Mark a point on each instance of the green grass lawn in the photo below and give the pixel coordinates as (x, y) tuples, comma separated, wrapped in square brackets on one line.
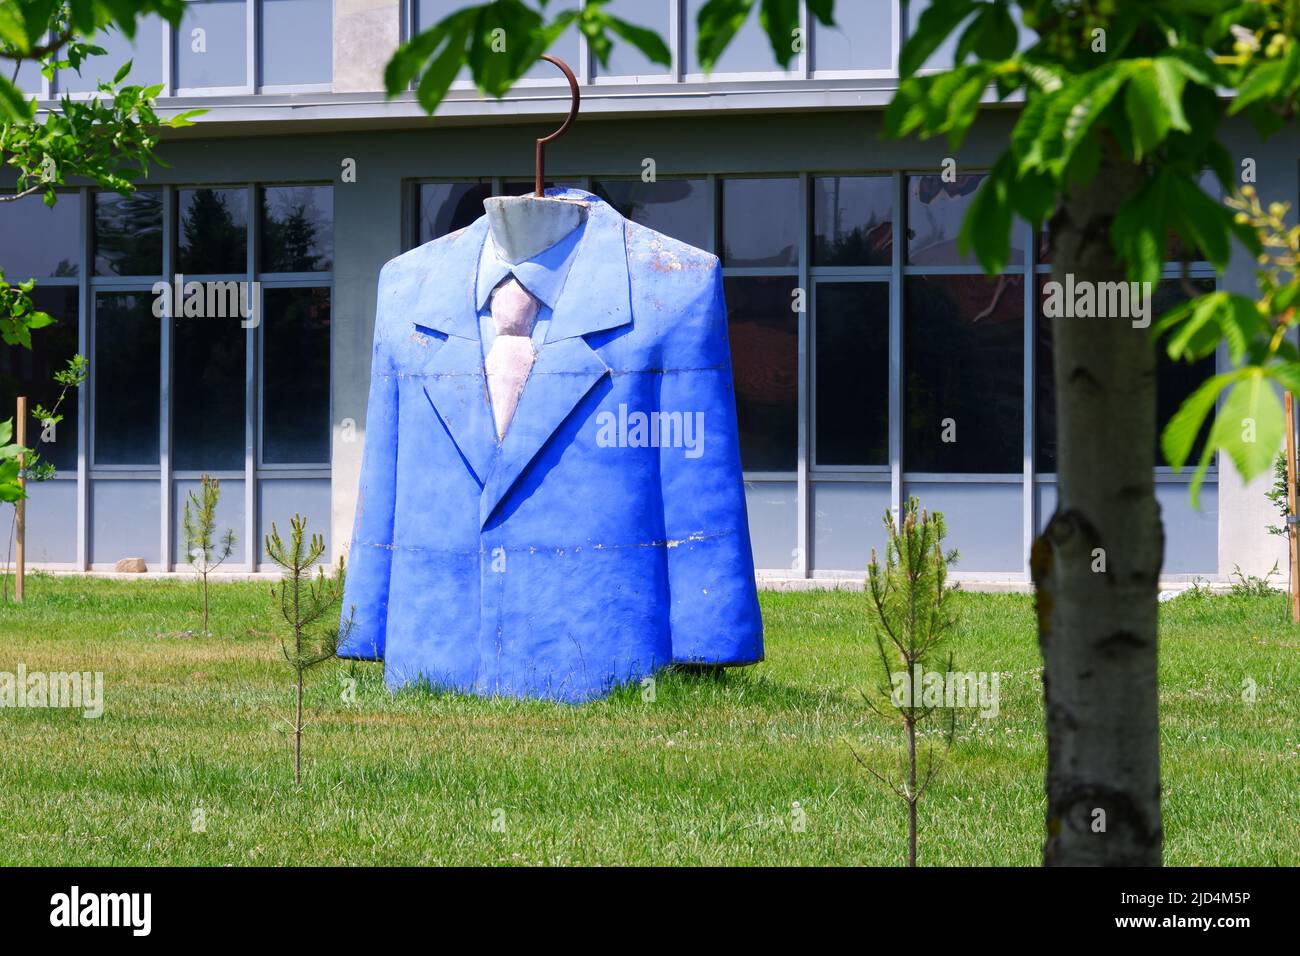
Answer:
[(705, 774)]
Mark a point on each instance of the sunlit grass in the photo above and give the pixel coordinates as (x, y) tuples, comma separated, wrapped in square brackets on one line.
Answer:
[(706, 773)]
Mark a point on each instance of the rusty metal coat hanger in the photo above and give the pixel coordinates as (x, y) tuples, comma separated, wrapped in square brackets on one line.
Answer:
[(539, 184)]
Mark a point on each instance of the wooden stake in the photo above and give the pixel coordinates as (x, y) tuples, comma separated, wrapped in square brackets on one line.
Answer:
[(20, 506), (1291, 529)]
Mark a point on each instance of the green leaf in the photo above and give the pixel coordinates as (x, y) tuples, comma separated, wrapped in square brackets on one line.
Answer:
[(1180, 434), (122, 72), (1250, 423), (935, 24), (1139, 231), (647, 41), (780, 19), (1202, 222), (1153, 102), (987, 226), (15, 107), (716, 24)]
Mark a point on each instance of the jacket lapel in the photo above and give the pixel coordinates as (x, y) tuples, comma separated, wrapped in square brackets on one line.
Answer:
[(595, 298), (453, 376)]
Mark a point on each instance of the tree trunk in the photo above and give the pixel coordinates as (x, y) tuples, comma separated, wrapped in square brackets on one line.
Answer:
[(297, 734), (1096, 566), (912, 795)]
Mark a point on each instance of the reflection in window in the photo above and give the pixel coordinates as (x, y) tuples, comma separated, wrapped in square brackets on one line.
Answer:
[(56, 231), (128, 233), (764, 333), (853, 220), (446, 207), (852, 364), (145, 53), (297, 46), (676, 207), (862, 38), (1175, 381), (936, 209), (624, 58), (213, 237), (31, 372), (296, 376), (297, 229), (208, 394), (750, 51), (218, 55), (126, 370), (524, 187), (760, 222), (963, 360)]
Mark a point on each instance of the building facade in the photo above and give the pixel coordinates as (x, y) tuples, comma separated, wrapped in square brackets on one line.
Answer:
[(872, 361)]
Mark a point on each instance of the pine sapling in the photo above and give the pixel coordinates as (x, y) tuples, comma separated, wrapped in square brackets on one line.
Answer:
[(909, 600), (304, 601), (199, 526)]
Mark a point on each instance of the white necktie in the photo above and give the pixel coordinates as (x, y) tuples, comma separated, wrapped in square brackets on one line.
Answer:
[(511, 356)]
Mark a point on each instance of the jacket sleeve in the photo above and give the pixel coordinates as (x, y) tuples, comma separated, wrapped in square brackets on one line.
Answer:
[(365, 596), (715, 616)]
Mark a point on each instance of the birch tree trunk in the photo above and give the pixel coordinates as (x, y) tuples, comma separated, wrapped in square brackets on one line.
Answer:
[(1096, 566)]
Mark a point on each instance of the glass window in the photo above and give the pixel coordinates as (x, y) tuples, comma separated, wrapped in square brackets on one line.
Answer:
[(963, 361), (853, 220), (524, 187), (750, 51), (39, 240), (212, 45), (942, 58), (212, 231), (760, 222), (676, 207), (31, 371), (764, 333), (128, 233), (936, 209), (297, 229), (145, 53), (428, 13), (126, 370), (566, 48), (852, 369), (296, 376), (624, 58), (862, 38), (1175, 381), (446, 207), (29, 78), (297, 45), (208, 393)]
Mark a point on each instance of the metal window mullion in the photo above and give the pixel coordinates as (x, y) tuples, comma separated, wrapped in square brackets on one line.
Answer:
[(675, 40), (1030, 503), (251, 537), (713, 189), (802, 496), (805, 60), (896, 31), (252, 29), (85, 315), (165, 391), (585, 68), (896, 348), (169, 35)]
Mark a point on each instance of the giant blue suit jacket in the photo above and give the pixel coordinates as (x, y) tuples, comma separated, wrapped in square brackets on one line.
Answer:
[(552, 564)]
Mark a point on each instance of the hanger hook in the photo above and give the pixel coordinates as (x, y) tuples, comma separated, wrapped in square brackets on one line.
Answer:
[(540, 177)]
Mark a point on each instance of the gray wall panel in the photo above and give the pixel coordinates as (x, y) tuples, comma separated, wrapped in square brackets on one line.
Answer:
[(280, 499), (230, 514), (984, 521), (773, 523), (847, 523), (51, 522), (125, 516)]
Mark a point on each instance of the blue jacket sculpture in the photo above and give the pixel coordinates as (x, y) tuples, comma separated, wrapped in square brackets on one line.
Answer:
[(604, 536)]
